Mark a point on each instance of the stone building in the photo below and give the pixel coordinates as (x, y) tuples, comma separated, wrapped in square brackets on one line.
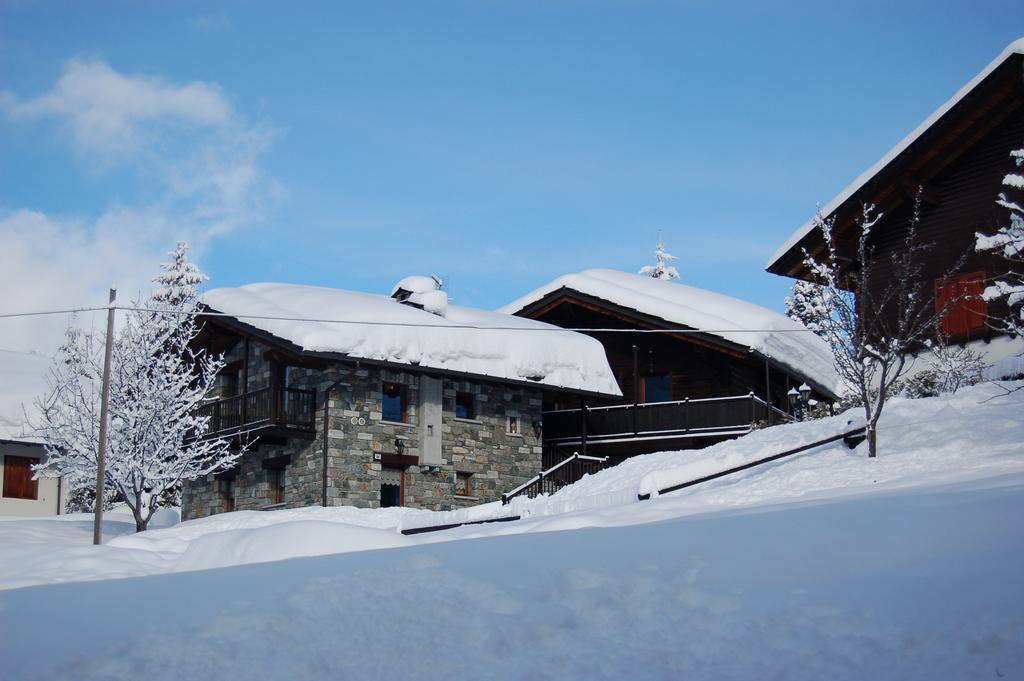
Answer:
[(347, 398)]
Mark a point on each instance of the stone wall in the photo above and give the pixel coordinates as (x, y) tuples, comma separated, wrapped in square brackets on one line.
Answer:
[(482, 448)]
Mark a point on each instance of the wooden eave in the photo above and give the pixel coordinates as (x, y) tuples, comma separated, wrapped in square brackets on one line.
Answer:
[(993, 101), (633, 318), (640, 320)]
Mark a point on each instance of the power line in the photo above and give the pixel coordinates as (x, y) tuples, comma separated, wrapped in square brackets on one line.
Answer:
[(367, 322), (40, 313)]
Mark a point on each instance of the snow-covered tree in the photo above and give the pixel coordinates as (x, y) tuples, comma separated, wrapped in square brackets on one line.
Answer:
[(1008, 241), (803, 306), (873, 326), (661, 269), (178, 284), (948, 368), (157, 382)]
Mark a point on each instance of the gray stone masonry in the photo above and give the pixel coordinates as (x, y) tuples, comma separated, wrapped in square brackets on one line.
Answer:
[(495, 459)]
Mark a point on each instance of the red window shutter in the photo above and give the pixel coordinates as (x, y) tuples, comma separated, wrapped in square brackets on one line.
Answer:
[(968, 312), (18, 482), (973, 304)]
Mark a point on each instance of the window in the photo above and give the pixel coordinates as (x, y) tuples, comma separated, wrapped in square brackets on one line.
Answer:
[(286, 382), (513, 425), (463, 484), (465, 406), (18, 482), (394, 403), (967, 312), (656, 388), (392, 486)]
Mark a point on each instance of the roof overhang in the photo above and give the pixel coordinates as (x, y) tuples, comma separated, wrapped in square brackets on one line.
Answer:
[(646, 322), (640, 320), (302, 356), (996, 94)]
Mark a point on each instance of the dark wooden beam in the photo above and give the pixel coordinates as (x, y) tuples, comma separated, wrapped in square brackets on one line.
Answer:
[(632, 319), (992, 102)]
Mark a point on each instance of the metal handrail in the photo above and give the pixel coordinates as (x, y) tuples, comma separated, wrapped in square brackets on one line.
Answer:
[(851, 437), (540, 477)]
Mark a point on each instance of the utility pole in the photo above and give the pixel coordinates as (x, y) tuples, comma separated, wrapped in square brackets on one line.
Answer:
[(101, 451)]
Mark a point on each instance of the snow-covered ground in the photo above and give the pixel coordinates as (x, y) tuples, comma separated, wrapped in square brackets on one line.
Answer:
[(827, 565)]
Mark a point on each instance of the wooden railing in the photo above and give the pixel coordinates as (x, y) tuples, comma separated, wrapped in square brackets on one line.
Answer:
[(659, 420), (550, 481), (285, 407)]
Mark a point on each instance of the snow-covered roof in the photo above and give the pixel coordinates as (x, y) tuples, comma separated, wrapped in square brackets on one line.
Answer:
[(1016, 47), (22, 379), (377, 327), (737, 321)]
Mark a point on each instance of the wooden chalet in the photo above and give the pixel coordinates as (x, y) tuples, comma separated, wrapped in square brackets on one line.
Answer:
[(690, 371), (956, 159)]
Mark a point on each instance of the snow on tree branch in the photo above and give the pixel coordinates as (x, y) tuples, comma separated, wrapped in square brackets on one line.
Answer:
[(157, 382), (661, 269), (872, 321), (1008, 241)]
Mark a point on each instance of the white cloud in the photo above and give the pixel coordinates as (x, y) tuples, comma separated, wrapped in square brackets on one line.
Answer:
[(223, 182), (207, 181), (49, 264), (108, 110)]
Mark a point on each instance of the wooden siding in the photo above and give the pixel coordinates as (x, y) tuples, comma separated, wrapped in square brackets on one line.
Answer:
[(696, 368), (968, 191), (996, 104)]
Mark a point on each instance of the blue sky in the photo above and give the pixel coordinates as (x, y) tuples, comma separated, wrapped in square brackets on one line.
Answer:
[(497, 144)]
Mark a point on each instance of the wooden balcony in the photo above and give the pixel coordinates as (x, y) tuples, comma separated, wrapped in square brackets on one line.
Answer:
[(284, 412), (711, 418)]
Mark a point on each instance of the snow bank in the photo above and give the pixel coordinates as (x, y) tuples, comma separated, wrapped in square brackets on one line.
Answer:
[(59, 549), (284, 540), (734, 320), (464, 339), (918, 585), (972, 436), (22, 379), (906, 566)]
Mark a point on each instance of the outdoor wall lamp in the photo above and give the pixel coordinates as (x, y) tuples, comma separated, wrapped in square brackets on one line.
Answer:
[(538, 428), (799, 400)]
